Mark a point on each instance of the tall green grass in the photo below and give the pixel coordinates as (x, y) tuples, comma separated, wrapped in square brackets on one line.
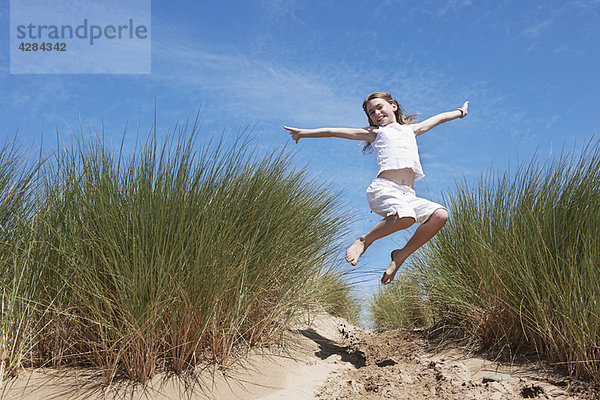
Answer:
[(337, 295), (175, 254), (518, 263), (400, 306), (17, 280)]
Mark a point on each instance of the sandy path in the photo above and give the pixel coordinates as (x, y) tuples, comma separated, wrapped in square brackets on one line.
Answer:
[(327, 359), (402, 365), (291, 372)]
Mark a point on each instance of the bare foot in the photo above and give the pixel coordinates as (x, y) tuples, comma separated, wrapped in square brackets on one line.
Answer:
[(390, 272), (355, 251)]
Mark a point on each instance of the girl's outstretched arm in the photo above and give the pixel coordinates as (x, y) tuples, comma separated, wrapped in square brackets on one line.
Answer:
[(434, 121), (369, 133)]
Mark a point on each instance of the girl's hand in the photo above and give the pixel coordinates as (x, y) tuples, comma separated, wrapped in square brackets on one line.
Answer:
[(464, 109), (295, 132)]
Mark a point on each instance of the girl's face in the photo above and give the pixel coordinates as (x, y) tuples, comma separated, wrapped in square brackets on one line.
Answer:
[(381, 112)]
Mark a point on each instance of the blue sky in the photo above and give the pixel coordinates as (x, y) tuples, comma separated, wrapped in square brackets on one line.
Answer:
[(529, 69)]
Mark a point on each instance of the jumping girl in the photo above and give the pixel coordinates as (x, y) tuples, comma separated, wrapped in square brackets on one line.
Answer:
[(392, 135)]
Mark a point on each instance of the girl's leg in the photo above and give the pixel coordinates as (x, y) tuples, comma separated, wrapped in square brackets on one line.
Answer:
[(421, 236), (385, 227)]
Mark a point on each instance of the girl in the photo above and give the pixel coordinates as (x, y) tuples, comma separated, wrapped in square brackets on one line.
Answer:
[(392, 134)]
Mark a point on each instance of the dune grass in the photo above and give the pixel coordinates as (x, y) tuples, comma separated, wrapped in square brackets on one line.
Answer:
[(518, 262), (174, 255), (337, 295), (400, 306), (17, 280)]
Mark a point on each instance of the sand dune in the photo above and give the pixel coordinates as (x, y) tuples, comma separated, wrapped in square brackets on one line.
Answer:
[(326, 358)]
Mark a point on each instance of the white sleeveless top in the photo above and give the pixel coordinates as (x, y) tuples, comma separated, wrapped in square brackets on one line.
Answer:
[(396, 147)]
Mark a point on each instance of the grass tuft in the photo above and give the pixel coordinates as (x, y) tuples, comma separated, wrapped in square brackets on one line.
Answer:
[(18, 282), (400, 305), (517, 263), (169, 256)]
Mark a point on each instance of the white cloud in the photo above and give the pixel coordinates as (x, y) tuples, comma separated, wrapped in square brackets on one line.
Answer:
[(532, 46), (563, 47), (277, 9), (451, 4), (551, 121), (255, 86), (538, 28)]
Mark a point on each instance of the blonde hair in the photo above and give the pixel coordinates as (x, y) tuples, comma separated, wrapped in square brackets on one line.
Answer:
[(401, 117)]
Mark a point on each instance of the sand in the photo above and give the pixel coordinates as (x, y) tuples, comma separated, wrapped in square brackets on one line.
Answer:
[(326, 358)]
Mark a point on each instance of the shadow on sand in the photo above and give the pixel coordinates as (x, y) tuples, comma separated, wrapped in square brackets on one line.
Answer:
[(328, 347)]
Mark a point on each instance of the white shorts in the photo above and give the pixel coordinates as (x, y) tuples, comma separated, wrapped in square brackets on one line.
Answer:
[(388, 198)]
